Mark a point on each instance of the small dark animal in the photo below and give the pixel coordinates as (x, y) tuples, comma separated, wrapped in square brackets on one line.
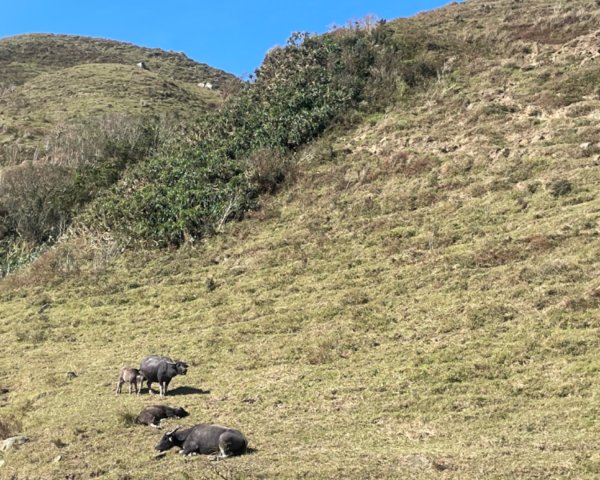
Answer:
[(153, 414), (159, 369), (205, 439), (132, 376)]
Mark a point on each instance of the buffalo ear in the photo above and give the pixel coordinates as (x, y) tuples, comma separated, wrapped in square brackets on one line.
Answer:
[(169, 434)]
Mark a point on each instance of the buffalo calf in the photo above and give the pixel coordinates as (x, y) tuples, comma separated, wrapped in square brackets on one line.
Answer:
[(153, 414), (131, 376)]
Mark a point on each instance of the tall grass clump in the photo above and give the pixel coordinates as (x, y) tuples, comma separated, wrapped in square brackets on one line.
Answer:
[(39, 199)]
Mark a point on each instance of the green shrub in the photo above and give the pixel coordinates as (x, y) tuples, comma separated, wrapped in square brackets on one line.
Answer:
[(246, 147)]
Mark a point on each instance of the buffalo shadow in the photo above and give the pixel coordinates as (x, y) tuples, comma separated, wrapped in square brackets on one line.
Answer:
[(187, 391)]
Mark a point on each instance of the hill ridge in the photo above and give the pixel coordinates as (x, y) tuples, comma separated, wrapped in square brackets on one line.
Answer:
[(58, 51)]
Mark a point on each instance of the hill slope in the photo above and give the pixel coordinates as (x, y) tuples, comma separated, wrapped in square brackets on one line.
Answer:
[(420, 301), (95, 89), (23, 57), (74, 112), (47, 81)]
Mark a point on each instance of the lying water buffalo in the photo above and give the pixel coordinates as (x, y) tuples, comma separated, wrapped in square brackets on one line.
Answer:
[(159, 369), (153, 414), (205, 439), (131, 376)]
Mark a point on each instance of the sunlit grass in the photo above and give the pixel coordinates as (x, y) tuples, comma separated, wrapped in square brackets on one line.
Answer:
[(439, 321)]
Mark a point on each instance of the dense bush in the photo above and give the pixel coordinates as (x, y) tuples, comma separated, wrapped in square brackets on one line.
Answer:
[(39, 199), (298, 92), (34, 202)]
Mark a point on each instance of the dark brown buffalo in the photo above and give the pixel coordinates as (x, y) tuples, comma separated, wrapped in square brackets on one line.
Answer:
[(153, 414)]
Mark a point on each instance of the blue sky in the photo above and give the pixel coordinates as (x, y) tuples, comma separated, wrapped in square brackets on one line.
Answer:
[(229, 34)]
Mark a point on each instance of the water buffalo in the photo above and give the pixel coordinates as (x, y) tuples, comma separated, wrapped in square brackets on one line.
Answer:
[(131, 376), (205, 439), (153, 414), (159, 369)]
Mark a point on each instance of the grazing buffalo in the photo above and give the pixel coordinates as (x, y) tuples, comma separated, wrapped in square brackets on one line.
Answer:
[(161, 369), (153, 414), (131, 376), (205, 439)]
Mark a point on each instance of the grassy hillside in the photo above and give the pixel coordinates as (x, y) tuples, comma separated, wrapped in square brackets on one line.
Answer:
[(74, 112), (23, 57), (419, 300), (47, 81), (53, 99)]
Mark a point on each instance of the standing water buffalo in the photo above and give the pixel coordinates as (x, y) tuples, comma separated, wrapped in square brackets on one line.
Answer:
[(161, 369), (153, 414), (131, 376), (205, 439)]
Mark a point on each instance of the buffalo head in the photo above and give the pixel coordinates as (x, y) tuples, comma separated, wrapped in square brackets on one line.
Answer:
[(180, 412), (167, 441), (181, 368)]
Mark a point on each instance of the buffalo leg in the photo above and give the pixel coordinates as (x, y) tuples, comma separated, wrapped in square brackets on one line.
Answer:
[(185, 452), (163, 387), (223, 453), (155, 424)]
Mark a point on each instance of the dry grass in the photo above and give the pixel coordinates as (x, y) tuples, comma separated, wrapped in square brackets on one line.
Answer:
[(33, 114), (47, 81), (27, 56)]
